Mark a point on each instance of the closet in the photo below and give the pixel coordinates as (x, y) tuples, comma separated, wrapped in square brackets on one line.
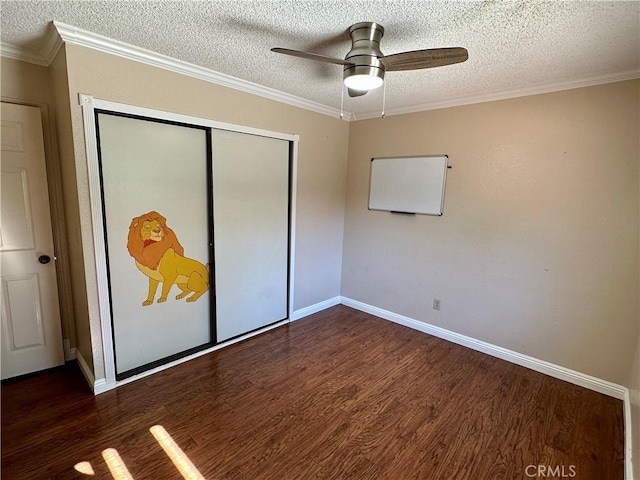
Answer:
[(195, 225)]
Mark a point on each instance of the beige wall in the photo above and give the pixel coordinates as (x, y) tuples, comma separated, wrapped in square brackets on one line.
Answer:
[(537, 250), (321, 162), (60, 88), (30, 84), (634, 396), (25, 82)]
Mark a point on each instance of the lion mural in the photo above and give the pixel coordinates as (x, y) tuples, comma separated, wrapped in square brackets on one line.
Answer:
[(159, 255)]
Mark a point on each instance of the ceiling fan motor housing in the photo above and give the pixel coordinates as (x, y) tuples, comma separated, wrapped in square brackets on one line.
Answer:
[(365, 51)]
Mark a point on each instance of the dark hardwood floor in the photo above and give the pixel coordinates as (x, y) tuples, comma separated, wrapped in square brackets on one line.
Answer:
[(340, 394)]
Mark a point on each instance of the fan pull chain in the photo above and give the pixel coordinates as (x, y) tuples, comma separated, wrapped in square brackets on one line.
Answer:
[(342, 101), (384, 97)]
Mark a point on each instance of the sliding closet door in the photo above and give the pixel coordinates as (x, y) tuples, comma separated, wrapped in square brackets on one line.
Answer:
[(157, 233), (251, 231)]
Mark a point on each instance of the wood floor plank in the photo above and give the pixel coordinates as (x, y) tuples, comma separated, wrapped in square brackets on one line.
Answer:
[(340, 394)]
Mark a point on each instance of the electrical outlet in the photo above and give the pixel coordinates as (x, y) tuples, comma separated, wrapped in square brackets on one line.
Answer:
[(436, 304)]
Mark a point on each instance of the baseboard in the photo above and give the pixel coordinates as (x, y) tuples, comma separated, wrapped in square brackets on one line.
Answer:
[(69, 353), (628, 438), (84, 367), (566, 374), (315, 308), (553, 370), (100, 386)]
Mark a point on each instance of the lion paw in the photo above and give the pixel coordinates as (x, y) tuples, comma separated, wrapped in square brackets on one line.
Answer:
[(146, 303), (182, 295), (162, 299)]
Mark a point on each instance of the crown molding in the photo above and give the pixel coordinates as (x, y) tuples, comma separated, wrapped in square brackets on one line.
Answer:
[(24, 55), (44, 56), (84, 38), (506, 94), (60, 33), (52, 44)]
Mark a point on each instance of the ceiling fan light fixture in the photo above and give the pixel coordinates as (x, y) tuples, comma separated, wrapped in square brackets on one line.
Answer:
[(363, 78), (363, 83), (365, 64)]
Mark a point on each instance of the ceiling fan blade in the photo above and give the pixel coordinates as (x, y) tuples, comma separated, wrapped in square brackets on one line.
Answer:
[(311, 56), (429, 58), (356, 93)]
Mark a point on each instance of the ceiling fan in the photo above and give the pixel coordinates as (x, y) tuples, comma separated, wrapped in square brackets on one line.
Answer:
[(365, 64)]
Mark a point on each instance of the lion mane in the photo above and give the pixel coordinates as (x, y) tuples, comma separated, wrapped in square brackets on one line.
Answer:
[(151, 255)]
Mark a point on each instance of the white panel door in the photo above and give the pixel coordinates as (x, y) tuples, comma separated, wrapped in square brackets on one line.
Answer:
[(31, 328), (251, 231)]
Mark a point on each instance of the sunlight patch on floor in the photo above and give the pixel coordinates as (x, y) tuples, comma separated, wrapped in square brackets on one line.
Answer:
[(84, 467), (115, 464), (119, 470), (175, 453)]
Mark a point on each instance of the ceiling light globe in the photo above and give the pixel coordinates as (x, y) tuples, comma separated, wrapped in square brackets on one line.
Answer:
[(363, 82), (363, 78)]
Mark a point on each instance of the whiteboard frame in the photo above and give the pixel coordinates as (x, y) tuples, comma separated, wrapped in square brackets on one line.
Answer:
[(416, 210)]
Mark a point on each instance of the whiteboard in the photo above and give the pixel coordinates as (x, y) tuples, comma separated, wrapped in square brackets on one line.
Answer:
[(408, 184)]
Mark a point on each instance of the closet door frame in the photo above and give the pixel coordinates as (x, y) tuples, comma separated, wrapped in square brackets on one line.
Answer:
[(89, 106), (207, 167)]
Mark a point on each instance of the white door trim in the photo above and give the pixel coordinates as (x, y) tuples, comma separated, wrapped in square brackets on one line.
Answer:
[(95, 195), (89, 104), (94, 103)]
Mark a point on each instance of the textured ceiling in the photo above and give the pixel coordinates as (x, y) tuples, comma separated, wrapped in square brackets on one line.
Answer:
[(513, 46)]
